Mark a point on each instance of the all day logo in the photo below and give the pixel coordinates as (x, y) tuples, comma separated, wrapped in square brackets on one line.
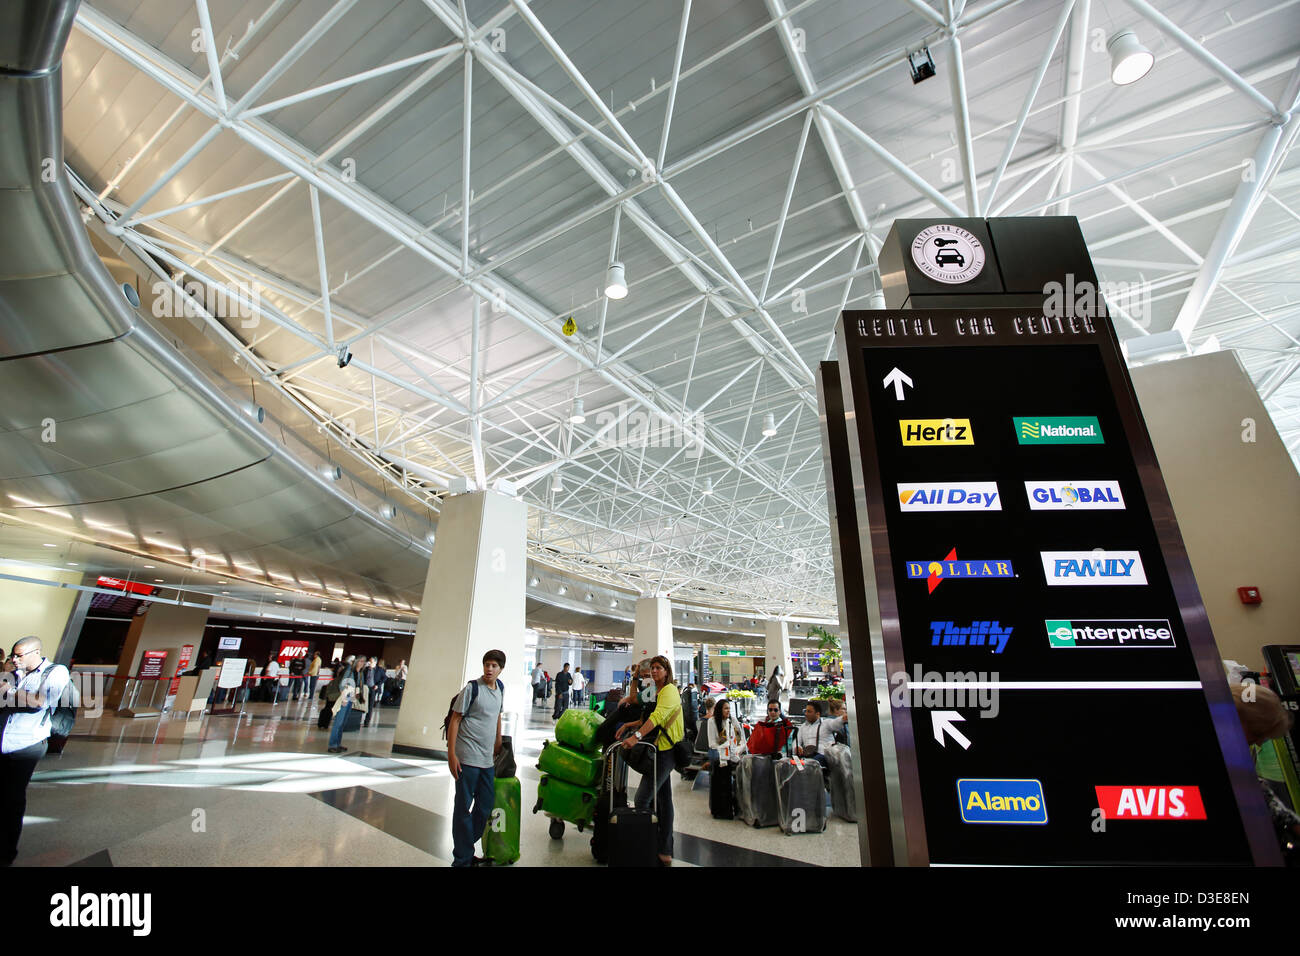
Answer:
[(949, 496), (1002, 801), (1059, 430), (936, 431), (1151, 803), (1093, 567), (1074, 496), (935, 572), (948, 254), (1156, 632)]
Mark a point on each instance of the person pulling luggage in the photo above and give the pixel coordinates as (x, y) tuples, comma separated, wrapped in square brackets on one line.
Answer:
[(656, 782)]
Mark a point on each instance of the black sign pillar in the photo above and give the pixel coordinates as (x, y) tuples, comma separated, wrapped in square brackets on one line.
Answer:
[(1055, 693)]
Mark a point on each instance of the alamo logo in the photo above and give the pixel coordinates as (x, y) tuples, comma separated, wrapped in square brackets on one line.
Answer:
[(76, 909)]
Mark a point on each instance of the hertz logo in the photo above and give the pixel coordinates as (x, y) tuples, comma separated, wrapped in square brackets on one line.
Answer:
[(936, 431)]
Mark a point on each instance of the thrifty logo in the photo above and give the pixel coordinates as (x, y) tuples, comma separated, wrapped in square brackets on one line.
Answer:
[(1150, 633), (1074, 496), (1151, 803), (990, 634), (1002, 801), (950, 496), (936, 431), (936, 571), (1093, 567), (1066, 430)]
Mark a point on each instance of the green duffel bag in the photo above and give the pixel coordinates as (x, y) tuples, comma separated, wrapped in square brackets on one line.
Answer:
[(501, 836), (569, 765), (577, 728), (566, 801)]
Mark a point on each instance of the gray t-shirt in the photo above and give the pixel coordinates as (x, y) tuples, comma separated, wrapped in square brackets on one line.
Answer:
[(478, 725)]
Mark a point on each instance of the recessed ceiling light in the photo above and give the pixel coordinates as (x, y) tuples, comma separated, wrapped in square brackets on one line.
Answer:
[(73, 564), (49, 545), (157, 580), (149, 567), (225, 592)]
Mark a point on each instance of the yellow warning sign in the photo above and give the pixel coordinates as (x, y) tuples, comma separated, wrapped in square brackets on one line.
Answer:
[(569, 326)]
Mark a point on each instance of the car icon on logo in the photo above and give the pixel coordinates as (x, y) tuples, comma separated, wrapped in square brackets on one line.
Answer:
[(946, 257)]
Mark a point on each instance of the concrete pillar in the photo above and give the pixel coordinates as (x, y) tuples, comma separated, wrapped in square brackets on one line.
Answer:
[(37, 609), (776, 650), (652, 634), (165, 627), (473, 602)]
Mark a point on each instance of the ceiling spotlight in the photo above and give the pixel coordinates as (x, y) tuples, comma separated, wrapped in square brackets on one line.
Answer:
[(255, 412), (921, 63), (590, 596), (534, 581), (131, 295), (615, 281), (780, 522), (613, 603), (331, 472), (1129, 59), (708, 486), (429, 537), (561, 590), (388, 511), (769, 425), (344, 356), (557, 484), (577, 416)]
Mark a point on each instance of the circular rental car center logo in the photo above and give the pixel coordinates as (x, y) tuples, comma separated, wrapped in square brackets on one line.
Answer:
[(948, 254)]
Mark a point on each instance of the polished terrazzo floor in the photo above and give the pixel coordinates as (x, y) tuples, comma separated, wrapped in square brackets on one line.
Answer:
[(259, 790)]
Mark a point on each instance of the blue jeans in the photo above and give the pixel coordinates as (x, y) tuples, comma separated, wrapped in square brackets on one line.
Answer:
[(663, 779), (476, 786), (336, 732)]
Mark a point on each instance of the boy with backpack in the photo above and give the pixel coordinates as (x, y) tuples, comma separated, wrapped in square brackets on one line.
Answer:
[(473, 737)]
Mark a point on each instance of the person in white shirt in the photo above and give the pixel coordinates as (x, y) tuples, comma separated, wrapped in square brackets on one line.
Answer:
[(817, 733), (579, 684), (539, 683), (272, 672), (29, 695), (726, 736)]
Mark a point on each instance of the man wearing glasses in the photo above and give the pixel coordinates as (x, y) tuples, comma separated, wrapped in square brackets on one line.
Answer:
[(28, 696)]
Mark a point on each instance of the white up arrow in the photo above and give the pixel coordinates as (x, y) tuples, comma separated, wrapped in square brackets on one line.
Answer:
[(897, 379), (942, 721)]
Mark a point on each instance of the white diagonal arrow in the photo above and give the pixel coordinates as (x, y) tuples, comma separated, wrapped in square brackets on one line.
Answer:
[(898, 379), (942, 721)]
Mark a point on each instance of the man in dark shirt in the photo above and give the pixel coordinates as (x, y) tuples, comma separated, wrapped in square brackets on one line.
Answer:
[(562, 681)]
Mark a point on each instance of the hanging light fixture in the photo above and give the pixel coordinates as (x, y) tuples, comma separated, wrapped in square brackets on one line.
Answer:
[(557, 484), (708, 486), (769, 425), (577, 416), (615, 281), (1129, 59)]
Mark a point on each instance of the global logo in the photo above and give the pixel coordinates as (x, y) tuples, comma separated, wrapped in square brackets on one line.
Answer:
[(1002, 801), (948, 254), (949, 496), (935, 572), (1093, 567), (1074, 495)]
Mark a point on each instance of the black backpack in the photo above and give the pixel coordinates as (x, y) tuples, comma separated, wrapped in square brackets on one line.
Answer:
[(451, 708)]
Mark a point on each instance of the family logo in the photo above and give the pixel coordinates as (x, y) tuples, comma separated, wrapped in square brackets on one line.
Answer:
[(1093, 567)]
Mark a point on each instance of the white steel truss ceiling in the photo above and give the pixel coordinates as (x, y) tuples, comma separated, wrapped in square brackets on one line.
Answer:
[(435, 188)]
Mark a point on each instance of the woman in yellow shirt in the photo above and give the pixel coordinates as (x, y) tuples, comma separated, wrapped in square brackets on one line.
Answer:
[(667, 716)]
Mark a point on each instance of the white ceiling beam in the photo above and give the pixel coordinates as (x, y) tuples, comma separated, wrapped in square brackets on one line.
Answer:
[(1075, 60)]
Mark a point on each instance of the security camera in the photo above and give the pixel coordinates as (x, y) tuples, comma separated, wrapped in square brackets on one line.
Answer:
[(344, 356)]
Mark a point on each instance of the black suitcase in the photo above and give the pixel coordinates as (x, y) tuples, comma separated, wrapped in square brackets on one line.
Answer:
[(613, 796), (800, 795), (722, 799), (632, 836)]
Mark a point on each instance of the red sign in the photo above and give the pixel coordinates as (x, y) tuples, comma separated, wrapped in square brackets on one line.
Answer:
[(187, 654), (117, 584), (291, 649), (151, 664), (1151, 803)]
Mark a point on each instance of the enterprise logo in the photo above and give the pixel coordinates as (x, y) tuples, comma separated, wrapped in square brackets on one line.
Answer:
[(936, 571), (936, 431), (950, 496), (1093, 567), (1058, 430), (990, 634), (1074, 495), (1002, 801), (1151, 803), (1152, 633)]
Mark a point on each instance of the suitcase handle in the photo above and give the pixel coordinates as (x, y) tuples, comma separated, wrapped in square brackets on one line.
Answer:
[(610, 752)]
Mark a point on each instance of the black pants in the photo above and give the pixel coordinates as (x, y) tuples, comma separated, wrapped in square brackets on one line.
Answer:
[(561, 703), (15, 773), (365, 721)]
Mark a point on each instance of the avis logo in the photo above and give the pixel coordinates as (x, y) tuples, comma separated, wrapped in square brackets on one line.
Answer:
[(1151, 803), (294, 650), (936, 571)]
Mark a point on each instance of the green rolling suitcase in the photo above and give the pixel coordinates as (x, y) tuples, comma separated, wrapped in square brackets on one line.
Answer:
[(565, 801), (501, 836), (577, 728), (570, 765)]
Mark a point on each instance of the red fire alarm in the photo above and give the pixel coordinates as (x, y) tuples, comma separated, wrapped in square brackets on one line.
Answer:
[(1249, 595)]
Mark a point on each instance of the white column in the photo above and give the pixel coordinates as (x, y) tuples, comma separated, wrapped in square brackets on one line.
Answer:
[(652, 635), (473, 602), (777, 649)]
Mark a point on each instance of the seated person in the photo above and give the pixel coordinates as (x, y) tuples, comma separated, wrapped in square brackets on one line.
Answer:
[(817, 733), (769, 735), (838, 709), (726, 736), (706, 718)]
